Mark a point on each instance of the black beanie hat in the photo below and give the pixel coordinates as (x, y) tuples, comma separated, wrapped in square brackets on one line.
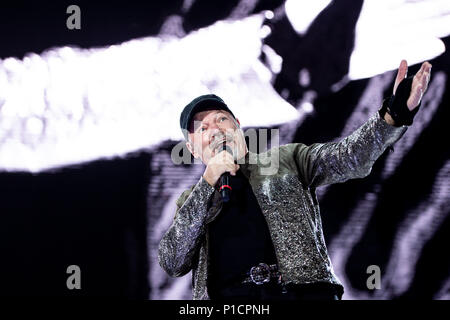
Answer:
[(201, 103)]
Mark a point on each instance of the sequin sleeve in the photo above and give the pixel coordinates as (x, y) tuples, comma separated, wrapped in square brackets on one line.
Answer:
[(352, 157), (180, 243)]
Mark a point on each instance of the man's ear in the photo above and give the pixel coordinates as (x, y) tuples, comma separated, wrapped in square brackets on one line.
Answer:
[(191, 149), (237, 120)]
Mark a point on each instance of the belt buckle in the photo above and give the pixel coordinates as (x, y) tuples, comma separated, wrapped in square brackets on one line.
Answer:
[(260, 274)]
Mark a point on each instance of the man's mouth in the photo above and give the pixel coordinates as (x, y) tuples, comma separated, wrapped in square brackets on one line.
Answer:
[(220, 143)]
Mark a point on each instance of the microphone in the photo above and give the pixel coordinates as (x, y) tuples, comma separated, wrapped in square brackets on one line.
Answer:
[(224, 185)]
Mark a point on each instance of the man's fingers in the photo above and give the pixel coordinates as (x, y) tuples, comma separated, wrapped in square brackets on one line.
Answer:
[(416, 91), (228, 160), (419, 85), (225, 156), (426, 76), (423, 74), (425, 79), (401, 74), (415, 97), (233, 169), (402, 70), (424, 68)]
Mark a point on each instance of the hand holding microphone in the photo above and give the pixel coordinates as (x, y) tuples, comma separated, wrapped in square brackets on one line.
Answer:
[(220, 166), (224, 184)]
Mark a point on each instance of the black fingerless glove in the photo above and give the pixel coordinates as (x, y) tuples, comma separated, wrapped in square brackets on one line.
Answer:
[(396, 106)]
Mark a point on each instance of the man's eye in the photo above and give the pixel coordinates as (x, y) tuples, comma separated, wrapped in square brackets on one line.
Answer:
[(202, 129), (223, 118)]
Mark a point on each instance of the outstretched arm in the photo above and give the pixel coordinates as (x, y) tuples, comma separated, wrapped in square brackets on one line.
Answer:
[(354, 156)]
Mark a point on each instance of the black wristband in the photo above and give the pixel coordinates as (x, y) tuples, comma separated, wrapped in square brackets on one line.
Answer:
[(386, 102), (396, 105)]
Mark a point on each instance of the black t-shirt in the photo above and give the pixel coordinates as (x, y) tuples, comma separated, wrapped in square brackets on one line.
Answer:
[(239, 236)]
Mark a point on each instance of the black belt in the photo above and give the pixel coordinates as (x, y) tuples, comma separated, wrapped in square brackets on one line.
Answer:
[(262, 273)]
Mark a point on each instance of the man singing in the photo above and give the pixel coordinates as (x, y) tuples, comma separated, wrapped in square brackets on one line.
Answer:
[(266, 241)]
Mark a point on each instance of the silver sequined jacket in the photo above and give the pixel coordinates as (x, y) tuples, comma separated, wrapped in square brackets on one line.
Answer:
[(287, 200)]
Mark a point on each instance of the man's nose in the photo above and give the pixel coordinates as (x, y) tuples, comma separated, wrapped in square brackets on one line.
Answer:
[(216, 132)]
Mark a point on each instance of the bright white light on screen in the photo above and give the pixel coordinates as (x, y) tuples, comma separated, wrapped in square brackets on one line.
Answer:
[(269, 14), (70, 105), (307, 107), (388, 31), (301, 13)]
